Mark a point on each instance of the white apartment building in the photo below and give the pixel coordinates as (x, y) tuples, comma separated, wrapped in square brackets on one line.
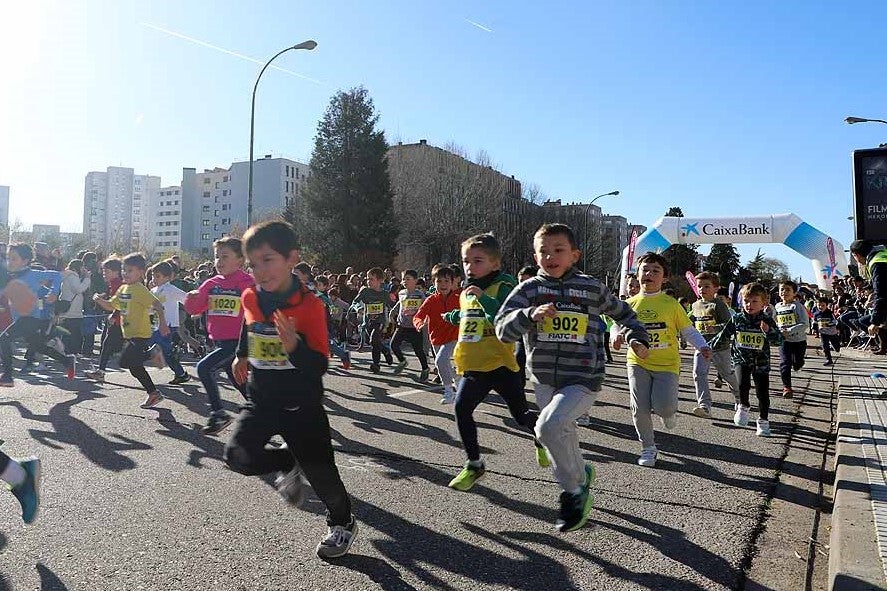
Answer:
[(115, 208), (4, 206), (164, 214)]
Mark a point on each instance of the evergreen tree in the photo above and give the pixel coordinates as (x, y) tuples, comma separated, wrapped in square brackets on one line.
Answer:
[(723, 260), (347, 216), (681, 258)]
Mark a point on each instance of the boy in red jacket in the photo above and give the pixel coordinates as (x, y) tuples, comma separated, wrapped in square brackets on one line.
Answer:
[(442, 334)]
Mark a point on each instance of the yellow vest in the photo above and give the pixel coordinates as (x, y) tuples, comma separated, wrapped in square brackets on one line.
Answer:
[(489, 352), (880, 257)]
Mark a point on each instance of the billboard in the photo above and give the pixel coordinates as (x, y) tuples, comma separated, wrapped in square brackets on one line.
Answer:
[(870, 193)]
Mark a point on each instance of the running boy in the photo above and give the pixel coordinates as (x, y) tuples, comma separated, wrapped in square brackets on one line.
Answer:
[(754, 332), (376, 303), (442, 334), (171, 297), (485, 362), (409, 300), (284, 349), (827, 326), (219, 297), (135, 303), (112, 336), (791, 319), (653, 378), (557, 312), (709, 314)]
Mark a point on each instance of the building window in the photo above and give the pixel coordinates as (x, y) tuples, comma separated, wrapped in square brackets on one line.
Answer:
[(206, 181), (205, 222), (206, 194), (204, 236), (206, 209)]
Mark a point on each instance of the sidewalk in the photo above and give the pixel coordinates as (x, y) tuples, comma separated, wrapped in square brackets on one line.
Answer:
[(858, 543)]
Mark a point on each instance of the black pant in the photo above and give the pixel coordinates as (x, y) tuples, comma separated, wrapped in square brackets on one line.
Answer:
[(520, 354), (415, 339), (762, 388), (306, 430), (791, 357), (73, 341), (471, 391), (378, 348), (4, 461), (112, 341), (133, 358), (33, 331), (830, 339)]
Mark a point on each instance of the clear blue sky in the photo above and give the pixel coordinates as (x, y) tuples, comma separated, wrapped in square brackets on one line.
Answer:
[(722, 108)]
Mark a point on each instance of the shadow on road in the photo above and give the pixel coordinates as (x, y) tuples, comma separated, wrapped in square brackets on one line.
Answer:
[(49, 581)]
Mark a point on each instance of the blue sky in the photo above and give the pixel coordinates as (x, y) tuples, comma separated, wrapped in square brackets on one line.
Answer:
[(722, 108)]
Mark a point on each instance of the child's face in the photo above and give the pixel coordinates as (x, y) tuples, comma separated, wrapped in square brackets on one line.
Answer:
[(272, 270), (374, 282), (476, 262), (321, 286), (724, 299), (634, 287), (160, 279), (108, 274), (227, 261), (303, 277), (554, 254), (652, 276), (132, 274), (707, 289), (443, 285), (824, 306), (409, 282), (786, 293), (15, 262), (753, 304)]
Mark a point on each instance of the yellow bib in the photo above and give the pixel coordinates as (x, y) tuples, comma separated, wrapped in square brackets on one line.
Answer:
[(751, 340), (266, 351), (223, 305), (375, 309), (471, 324), (570, 327)]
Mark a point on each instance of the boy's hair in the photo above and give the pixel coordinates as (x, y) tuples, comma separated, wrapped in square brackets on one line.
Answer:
[(443, 271), (486, 242), (791, 284), (377, 273), (320, 279), (411, 273), (305, 268), (231, 243), (755, 290), (23, 250), (556, 229), (723, 291), (135, 259), (530, 270), (709, 276), (334, 292), (656, 258), (824, 300), (113, 264), (279, 236), (162, 268)]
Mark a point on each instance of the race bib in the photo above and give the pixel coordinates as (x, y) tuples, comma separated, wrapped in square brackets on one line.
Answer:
[(471, 325), (570, 327), (751, 340), (375, 309), (123, 300), (266, 351), (705, 325), (411, 306), (658, 335), (335, 311), (785, 319), (826, 323), (224, 305)]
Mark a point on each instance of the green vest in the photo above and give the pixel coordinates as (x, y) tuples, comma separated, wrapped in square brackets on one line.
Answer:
[(880, 257)]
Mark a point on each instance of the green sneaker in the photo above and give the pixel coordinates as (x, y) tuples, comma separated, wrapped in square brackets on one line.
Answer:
[(465, 479), (575, 508), (542, 457)]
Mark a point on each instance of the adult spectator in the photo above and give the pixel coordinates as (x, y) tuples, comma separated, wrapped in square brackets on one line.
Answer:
[(874, 258)]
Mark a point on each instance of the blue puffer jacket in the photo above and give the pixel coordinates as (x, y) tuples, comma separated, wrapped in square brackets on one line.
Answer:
[(41, 284)]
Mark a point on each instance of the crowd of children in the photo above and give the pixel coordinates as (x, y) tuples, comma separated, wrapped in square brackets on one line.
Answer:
[(272, 330)]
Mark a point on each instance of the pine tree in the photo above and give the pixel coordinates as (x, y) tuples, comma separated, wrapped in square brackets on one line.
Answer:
[(347, 214), (723, 260)]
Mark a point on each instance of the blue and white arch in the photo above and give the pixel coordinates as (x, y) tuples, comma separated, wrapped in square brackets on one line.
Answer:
[(786, 228)]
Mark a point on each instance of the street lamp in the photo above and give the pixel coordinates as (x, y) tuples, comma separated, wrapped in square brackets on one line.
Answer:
[(585, 242), (852, 120), (309, 45)]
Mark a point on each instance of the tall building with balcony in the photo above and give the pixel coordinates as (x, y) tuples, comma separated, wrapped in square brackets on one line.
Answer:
[(115, 209), (165, 221)]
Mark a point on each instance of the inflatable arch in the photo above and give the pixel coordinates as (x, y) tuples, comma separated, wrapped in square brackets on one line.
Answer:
[(825, 253)]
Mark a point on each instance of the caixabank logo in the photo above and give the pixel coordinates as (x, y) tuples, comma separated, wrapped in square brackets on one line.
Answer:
[(722, 229)]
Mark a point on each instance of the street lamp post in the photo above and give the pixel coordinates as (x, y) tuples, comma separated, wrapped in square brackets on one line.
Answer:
[(585, 241), (852, 120), (309, 45)]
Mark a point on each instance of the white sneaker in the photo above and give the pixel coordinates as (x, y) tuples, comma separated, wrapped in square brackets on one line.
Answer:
[(740, 419), (763, 428), (584, 420), (449, 397), (670, 423), (702, 411), (648, 457)]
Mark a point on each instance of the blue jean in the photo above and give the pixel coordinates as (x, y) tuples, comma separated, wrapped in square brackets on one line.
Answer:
[(165, 344), (219, 358), (339, 351)]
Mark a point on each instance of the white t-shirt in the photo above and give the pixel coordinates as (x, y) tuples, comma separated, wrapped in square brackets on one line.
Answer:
[(171, 297)]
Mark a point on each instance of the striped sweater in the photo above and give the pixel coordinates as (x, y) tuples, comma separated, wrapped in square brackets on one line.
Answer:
[(566, 350)]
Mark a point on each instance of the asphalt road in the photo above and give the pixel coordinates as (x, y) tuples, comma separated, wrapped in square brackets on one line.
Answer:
[(139, 499)]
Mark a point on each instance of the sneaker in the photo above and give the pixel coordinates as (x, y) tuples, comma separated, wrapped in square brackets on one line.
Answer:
[(436, 380), (763, 429), (6, 381), (827, 363), (702, 411), (156, 357), (648, 457), (346, 363), (185, 377), (71, 367), (374, 367), (787, 392), (152, 400), (449, 397), (584, 420), (465, 479), (670, 423), (574, 510), (95, 374), (542, 457), (216, 423), (28, 492), (423, 375), (338, 540), (292, 486), (719, 383), (400, 366), (740, 418), (28, 368)]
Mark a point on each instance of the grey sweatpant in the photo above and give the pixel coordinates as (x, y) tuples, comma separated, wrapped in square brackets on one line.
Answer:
[(443, 359), (651, 392), (724, 366), (556, 430)]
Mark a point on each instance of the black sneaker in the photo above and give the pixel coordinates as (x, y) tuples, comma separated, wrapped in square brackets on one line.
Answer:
[(180, 379), (374, 367), (338, 540), (292, 486), (216, 423), (574, 510)]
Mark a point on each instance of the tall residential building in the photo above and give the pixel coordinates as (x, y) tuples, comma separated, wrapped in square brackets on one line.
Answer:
[(115, 210), (215, 201), (4, 206), (164, 212)]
